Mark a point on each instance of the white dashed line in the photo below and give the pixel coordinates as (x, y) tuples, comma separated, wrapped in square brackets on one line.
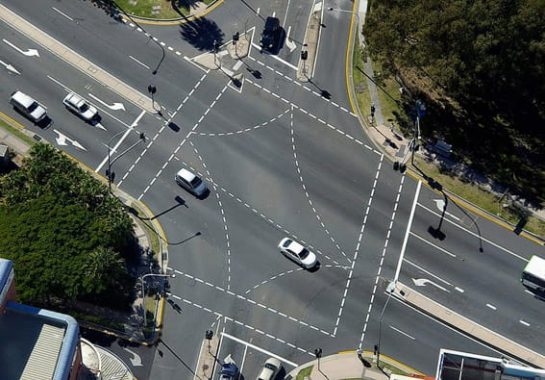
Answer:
[(524, 323), (491, 306)]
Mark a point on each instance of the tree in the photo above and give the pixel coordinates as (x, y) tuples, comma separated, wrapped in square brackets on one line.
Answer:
[(63, 231), (485, 58)]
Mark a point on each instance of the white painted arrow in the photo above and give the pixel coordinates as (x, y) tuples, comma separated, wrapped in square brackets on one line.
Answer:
[(62, 140), (440, 203), (136, 361), (28, 53), (290, 44), (425, 281), (99, 125), (114, 107), (10, 67)]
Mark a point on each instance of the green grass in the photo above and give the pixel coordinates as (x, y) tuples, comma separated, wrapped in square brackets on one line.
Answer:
[(17, 132), (151, 233), (388, 97), (143, 8), (390, 368), (485, 200), (360, 83), (305, 372)]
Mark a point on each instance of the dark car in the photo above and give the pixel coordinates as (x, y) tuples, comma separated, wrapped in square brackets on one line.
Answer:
[(272, 37), (229, 371)]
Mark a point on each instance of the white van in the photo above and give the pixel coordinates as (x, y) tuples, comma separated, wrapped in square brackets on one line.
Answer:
[(29, 107)]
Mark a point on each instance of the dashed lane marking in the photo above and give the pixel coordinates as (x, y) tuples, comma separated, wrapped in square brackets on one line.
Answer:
[(382, 256), (295, 106), (252, 302), (316, 214), (356, 251), (184, 140)]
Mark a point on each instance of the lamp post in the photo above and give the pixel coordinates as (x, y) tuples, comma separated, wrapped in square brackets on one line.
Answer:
[(389, 290), (144, 290), (318, 354), (110, 162), (420, 109)]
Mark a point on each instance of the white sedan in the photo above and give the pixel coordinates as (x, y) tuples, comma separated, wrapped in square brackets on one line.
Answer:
[(298, 253), (80, 107), (270, 369)]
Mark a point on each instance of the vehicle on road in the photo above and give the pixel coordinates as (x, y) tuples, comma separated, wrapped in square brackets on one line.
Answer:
[(270, 369), (80, 107), (533, 275), (272, 37), (191, 183), (298, 253), (229, 371), (27, 106)]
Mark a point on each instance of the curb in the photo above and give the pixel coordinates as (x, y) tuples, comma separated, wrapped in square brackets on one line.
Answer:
[(175, 21)]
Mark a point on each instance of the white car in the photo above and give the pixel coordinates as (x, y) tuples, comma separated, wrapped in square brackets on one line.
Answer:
[(270, 369), (191, 183), (28, 106), (298, 253), (80, 107)]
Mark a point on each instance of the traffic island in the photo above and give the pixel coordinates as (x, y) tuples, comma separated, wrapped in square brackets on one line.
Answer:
[(305, 68)]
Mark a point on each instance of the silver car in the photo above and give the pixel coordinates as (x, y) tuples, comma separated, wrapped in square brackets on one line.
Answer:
[(80, 107), (270, 369), (191, 183)]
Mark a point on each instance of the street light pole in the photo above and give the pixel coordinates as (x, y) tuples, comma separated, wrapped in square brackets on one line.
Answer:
[(144, 291), (110, 162)]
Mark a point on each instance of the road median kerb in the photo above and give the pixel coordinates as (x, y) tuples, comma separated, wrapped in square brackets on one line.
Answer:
[(174, 21), (468, 326)]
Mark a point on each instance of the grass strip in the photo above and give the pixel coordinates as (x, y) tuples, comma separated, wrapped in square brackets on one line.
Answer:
[(305, 372), (17, 133), (163, 8)]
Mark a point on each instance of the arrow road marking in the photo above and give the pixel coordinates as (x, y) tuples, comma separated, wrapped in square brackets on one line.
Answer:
[(440, 203), (10, 67), (28, 53), (136, 361), (425, 281), (114, 107), (290, 44), (99, 125), (62, 140)]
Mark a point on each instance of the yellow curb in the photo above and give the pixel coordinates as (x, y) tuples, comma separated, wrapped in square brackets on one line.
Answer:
[(190, 18), (347, 60), (12, 122)]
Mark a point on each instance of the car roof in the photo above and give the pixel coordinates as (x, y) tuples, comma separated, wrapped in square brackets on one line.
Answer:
[(22, 98), (75, 99), (187, 175), (272, 23), (296, 247)]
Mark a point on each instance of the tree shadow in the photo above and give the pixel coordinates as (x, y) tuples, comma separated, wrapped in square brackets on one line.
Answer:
[(202, 33)]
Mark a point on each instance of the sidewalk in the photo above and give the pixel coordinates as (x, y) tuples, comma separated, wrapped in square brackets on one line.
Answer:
[(347, 365)]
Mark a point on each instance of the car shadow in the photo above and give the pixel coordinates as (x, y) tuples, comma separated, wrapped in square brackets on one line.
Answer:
[(315, 268)]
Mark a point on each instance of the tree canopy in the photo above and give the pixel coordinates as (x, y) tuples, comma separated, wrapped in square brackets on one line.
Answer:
[(66, 235), (485, 59)]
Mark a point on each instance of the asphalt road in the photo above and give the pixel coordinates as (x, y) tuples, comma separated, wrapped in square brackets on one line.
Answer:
[(281, 160)]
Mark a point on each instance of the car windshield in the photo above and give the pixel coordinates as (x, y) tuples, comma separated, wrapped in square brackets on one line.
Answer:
[(32, 107), (196, 182), (84, 107), (304, 253), (270, 366)]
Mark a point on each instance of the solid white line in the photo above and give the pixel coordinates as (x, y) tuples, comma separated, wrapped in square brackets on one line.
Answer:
[(243, 358), (491, 306), (140, 63), (401, 332), (404, 246), (476, 235), (433, 245), (129, 130), (524, 323), (285, 15), (459, 289), (277, 58), (199, 358), (319, 38), (427, 272), (63, 14), (223, 334)]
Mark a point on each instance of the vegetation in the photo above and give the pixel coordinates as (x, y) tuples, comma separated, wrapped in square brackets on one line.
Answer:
[(165, 9), (67, 236), (479, 66), (304, 373)]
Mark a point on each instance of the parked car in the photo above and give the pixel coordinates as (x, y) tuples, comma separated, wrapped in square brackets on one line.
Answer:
[(191, 183), (229, 371), (27, 106), (272, 37), (270, 369), (80, 107), (298, 253)]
